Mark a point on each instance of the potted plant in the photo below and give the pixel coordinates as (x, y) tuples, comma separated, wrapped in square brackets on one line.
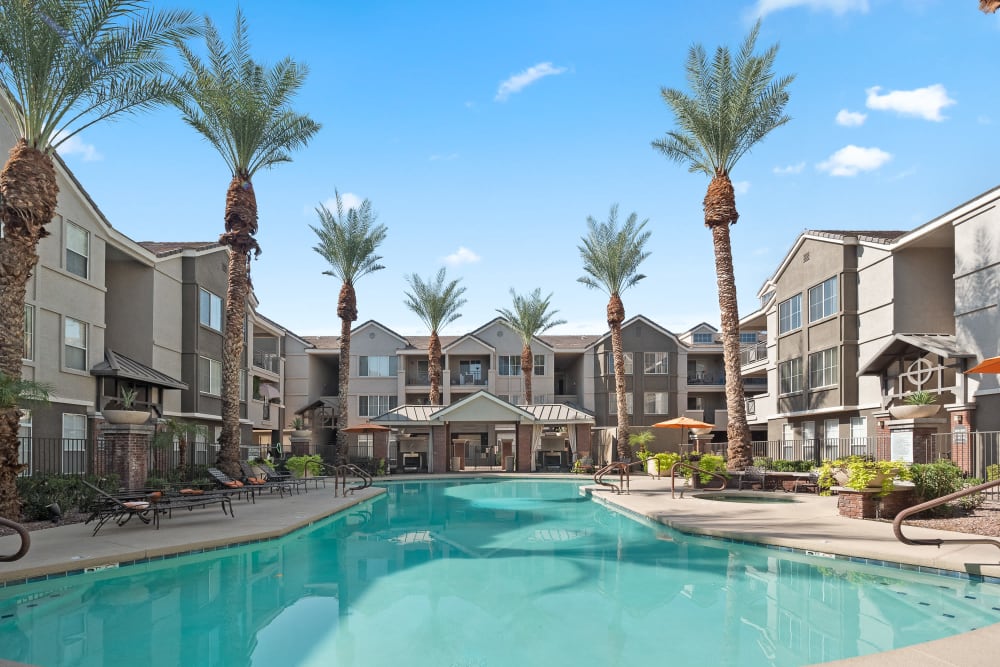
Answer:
[(123, 411), (664, 461), (919, 404), (305, 465), (299, 429), (860, 473)]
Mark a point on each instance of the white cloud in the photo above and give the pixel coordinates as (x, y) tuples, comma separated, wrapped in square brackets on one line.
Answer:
[(924, 102), (790, 169), (765, 7), (850, 118), (850, 160), (461, 256), (741, 187), (524, 79), (348, 200), (436, 157), (75, 145)]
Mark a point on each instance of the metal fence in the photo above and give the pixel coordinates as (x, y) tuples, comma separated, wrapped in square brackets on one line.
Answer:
[(819, 449)]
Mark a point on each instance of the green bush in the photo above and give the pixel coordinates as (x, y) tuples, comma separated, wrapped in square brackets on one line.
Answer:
[(791, 466), (298, 465), (862, 471), (934, 480), (665, 461), (765, 462), (39, 491), (709, 463), (993, 472)]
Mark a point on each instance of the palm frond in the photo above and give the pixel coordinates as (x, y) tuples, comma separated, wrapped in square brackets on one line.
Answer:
[(611, 254), (530, 315), (436, 301), (348, 240), (18, 392)]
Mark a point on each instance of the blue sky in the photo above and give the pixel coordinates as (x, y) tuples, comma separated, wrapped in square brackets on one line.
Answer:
[(485, 134)]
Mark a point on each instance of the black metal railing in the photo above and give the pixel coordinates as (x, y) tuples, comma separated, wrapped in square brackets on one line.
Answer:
[(268, 361)]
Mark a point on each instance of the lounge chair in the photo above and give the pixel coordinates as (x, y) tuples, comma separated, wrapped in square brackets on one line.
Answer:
[(288, 483), (148, 508), (273, 474), (229, 486)]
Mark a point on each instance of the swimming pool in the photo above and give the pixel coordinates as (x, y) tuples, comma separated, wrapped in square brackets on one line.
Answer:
[(485, 572)]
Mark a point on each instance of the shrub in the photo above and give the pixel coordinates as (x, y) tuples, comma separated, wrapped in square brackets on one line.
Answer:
[(764, 462), (934, 480), (862, 471), (665, 461), (711, 463), (39, 491), (299, 465), (791, 466)]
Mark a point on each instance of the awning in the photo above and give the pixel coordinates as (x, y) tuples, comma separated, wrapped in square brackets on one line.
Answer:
[(944, 345), (119, 366), (269, 391)]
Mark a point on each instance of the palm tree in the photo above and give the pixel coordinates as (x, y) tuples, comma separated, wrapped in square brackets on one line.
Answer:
[(989, 6), (348, 242), (529, 318), (735, 104), (611, 257), (243, 110), (436, 303), (64, 66), (182, 432)]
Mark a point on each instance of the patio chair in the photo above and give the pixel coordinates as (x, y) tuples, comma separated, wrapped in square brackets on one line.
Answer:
[(229, 486), (251, 479), (809, 484), (752, 477), (273, 474), (107, 508)]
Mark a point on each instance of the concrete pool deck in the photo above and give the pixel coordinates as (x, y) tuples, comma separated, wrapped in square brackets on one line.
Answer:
[(809, 524)]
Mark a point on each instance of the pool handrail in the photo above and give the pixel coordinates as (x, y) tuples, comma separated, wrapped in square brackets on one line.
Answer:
[(623, 476), (897, 523), (340, 474), (25, 541), (697, 471)]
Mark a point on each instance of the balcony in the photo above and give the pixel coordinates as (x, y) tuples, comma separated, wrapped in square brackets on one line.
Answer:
[(418, 378), (268, 361), (752, 354), (468, 379)]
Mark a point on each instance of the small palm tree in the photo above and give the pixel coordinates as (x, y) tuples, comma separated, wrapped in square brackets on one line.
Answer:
[(529, 317), (734, 105), (243, 110), (182, 432), (436, 303), (64, 66), (611, 258), (348, 242)]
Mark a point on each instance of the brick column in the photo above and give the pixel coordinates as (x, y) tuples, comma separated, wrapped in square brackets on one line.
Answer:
[(583, 442), (440, 436), (524, 448), (962, 422), (128, 448), (301, 446)]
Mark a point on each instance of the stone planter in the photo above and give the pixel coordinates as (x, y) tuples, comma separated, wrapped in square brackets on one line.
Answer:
[(125, 416), (913, 411), (301, 433)]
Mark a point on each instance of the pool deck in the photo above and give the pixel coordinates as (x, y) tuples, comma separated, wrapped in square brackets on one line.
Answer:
[(809, 524)]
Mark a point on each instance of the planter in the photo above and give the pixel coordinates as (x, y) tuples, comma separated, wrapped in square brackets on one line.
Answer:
[(301, 433), (652, 467), (913, 411), (125, 416)]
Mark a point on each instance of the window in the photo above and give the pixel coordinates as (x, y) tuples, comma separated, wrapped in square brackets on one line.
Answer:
[(704, 338), (696, 403), (654, 363), (859, 436), (373, 406), (74, 442), (209, 376), (75, 344), (509, 365), (823, 368), (790, 376), (243, 384), (809, 440), (24, 451), (609, 363), (831, 438), (613, 403), (539, 364), (655, 403), (377, 367), (823, 299), (77, 249), (790, 314), (210, 310), (365, 448), (29, 332), (513, 399), (748, 337), (423, 371), (787, 442)]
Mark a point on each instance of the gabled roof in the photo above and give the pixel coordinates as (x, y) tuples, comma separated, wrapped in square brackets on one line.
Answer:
[(558, 413), (703, 325), (321, 403), (407, 415), (943, 345), (633, 320), (166, 248), (883, 236), (501, 410), (503, 320), (472, 408), (119, 366), (459, 339), (562, 343)]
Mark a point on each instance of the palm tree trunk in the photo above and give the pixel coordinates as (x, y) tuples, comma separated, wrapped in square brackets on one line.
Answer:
[(616, 315), (720, 212), (434, 367), (29, 193), (527, 368), (241, 225), (347, 311)]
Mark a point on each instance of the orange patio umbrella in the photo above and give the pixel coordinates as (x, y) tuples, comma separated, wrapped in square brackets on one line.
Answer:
[(991, 365), (682, 423), (366, 428)]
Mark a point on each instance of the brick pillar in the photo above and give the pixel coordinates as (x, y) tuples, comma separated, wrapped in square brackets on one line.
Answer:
[(962, 422), (524, 448), (128, 448), (583, 442), (857, 504), (440, 454), (301, 446)]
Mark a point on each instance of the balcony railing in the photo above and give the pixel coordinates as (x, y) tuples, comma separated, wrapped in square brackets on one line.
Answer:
[(473, 379), (421, 378), (707, 378), (828, 449), (751, 354), (267, 361)]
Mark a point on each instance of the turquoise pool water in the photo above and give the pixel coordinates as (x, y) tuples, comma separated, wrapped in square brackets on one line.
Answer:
[(484, 573)]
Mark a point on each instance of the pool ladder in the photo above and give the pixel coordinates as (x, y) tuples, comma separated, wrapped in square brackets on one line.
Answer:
[(619, 467), (342, 472), (897, 524), (25, 540), (681, 465)]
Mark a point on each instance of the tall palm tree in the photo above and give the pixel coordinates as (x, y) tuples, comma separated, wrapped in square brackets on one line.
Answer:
[(348, 242), (529, 317), (243, 110), (611, 258), (436, 303), (989, 6), (64, 67), (734, 105)]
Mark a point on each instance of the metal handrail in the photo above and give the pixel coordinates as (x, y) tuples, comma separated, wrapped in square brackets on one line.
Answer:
[(623, 476), (696, 470), (897, 524), (340, 474), (25, 540)]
